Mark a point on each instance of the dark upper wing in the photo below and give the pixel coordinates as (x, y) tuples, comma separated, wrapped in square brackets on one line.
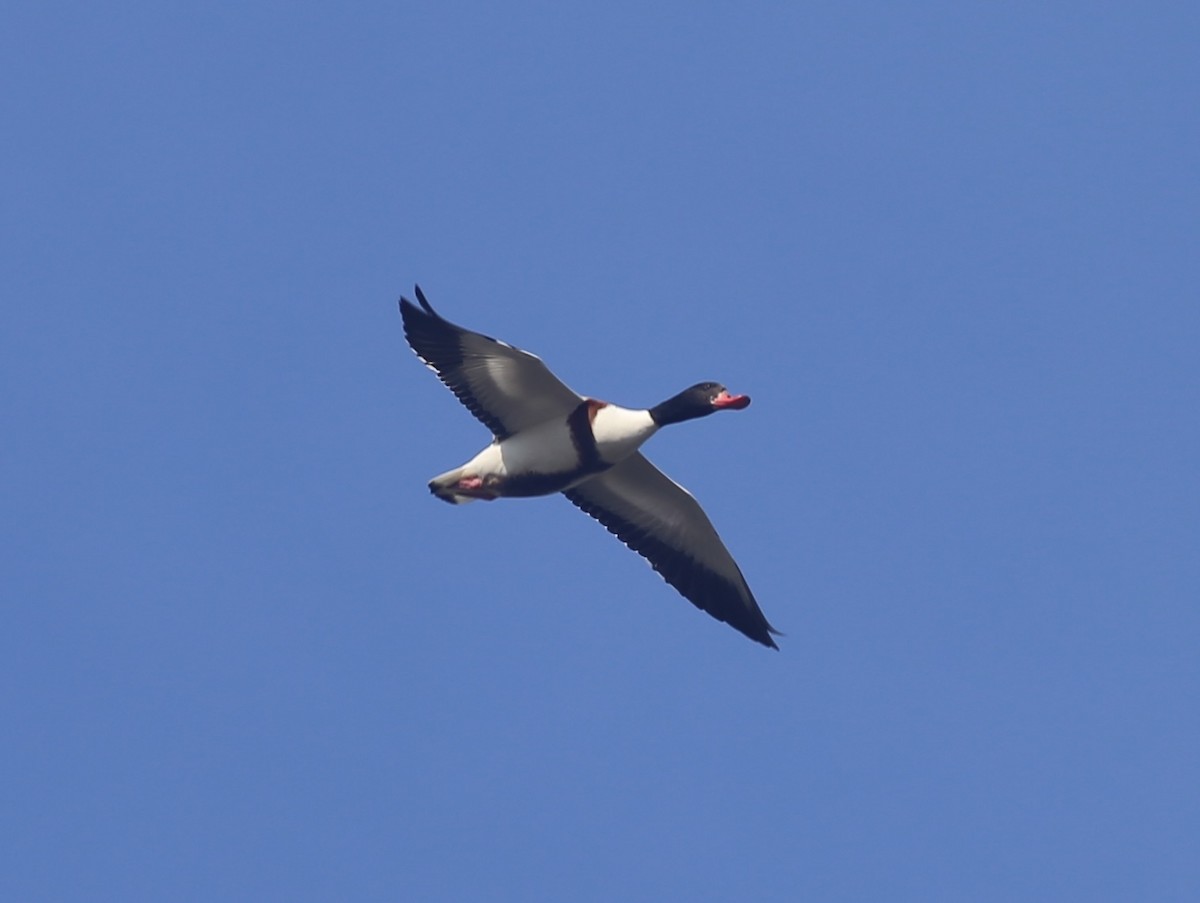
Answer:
[(662, 522), (506, 388)]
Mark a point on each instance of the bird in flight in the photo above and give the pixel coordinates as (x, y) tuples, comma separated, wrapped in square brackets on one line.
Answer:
[(549, 439)]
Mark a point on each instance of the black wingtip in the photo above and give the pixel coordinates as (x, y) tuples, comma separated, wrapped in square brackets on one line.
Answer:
[(406, 305), (756, 628), (764, 637), (425, 304)]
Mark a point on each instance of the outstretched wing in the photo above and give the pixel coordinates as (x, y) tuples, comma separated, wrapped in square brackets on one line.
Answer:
[(663, 522), (506, 388)]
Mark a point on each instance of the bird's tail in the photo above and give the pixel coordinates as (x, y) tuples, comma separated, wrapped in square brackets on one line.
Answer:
[(444, 486)]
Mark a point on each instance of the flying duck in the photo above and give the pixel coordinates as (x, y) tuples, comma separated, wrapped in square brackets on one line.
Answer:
[(549, 439)]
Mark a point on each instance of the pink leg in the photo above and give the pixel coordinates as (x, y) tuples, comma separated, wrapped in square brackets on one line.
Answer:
[(473, 486)]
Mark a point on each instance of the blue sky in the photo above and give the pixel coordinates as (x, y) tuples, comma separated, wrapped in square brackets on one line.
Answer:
[(949, 249)]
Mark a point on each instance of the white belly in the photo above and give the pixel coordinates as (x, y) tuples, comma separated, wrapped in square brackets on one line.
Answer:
[(541, 449), (548, 458)]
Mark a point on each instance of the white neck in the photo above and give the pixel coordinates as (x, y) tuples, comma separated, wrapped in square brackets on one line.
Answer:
[(620, 431)]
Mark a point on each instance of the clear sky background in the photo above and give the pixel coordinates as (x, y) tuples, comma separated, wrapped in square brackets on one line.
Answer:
[(951, 250)]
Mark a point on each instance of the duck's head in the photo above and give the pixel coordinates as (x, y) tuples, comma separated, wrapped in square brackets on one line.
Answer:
[(700, 400)]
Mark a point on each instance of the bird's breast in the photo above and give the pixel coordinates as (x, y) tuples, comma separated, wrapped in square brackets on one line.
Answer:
[(618, 432)]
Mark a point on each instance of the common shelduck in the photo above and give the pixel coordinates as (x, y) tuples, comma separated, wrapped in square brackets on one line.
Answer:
[(549, 439)]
